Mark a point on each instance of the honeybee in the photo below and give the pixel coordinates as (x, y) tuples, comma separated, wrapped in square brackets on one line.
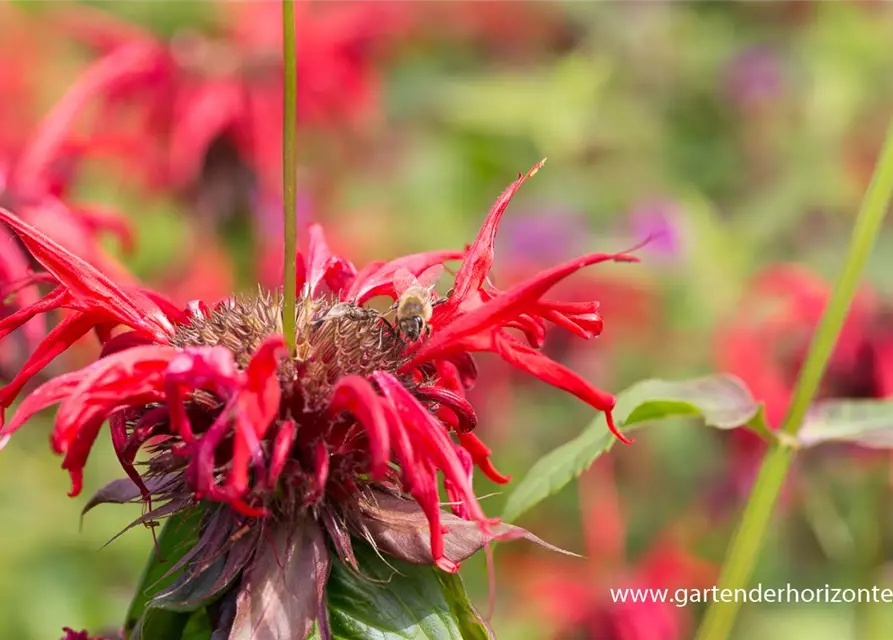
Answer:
[(347, 310), (416, 300)]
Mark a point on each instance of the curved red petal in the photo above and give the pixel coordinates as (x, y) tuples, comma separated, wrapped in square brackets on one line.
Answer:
[(506, 306), (355, 395), (91, 287), (66, 333), (379, 281), (480, 454), (479, 257), (325, 267), (551, 372)]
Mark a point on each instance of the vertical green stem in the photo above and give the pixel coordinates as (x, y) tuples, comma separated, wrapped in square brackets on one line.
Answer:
[(289, 168), (746, 543)]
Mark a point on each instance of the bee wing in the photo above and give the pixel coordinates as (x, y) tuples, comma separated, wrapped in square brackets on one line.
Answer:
[(403, 280), (429, 277)]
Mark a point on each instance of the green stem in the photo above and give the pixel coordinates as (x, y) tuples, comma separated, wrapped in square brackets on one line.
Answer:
[(289, 168), (747, 542), (748, 539)]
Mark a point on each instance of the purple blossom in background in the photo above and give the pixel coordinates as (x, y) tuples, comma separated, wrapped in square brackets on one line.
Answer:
[(754, 77), (542, 237), (658, 221)]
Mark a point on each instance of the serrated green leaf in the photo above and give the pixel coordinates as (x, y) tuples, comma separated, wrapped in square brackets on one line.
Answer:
[(177, 536), (557, 468), (470, 623), (867, 423), (722, 401), (399, 601)]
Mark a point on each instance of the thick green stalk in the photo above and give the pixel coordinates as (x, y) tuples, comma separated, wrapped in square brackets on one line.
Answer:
[(748, 539), (289, 168)]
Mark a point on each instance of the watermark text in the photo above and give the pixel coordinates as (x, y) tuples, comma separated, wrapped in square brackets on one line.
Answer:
[(782, 595)]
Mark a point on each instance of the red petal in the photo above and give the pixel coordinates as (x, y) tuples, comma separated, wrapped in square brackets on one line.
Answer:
[(97, 219), (356, 395), (174, 313), (428, 434), (46, 395), (534, 328), (262, 393), (131, 376), (53, 300), (86, 283), (207, 113), (321, 471), (258, 404), (547, 370), (505, 307), (480, 453), (479, 257), (210, 368), (14, 269), (66, 333), (282, 444), (362, 276), (201, 467), (379, 281), (125, 64), (457, 505), (323, 266), (454, 402), (402, 445)]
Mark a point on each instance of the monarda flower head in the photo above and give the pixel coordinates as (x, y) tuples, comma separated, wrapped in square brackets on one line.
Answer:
[(341, 436)]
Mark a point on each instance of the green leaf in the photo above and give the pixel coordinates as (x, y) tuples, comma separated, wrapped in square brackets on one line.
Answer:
[(868, 423), (177, 536), (396, 600), (470, 623), (722, 401), (159, 624), (557, 468), (199, 626)]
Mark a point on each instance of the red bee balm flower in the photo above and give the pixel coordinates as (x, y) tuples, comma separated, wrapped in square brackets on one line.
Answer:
[(196, 89), (335, 435)]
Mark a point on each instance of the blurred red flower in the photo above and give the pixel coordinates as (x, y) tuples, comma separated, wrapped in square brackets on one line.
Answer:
[(766, 343), (71, 634), (357, 416), (36, 172), (576, 597), (177, 101)]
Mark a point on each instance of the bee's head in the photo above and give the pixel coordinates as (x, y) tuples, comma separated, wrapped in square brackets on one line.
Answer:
[(411, 326)]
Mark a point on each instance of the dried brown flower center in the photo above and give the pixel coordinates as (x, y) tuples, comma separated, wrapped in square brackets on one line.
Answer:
[(333, 339)]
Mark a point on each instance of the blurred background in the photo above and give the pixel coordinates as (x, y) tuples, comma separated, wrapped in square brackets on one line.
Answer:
[(740, 135)]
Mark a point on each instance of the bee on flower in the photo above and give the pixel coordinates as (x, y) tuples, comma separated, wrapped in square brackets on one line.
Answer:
[(286, 449)]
